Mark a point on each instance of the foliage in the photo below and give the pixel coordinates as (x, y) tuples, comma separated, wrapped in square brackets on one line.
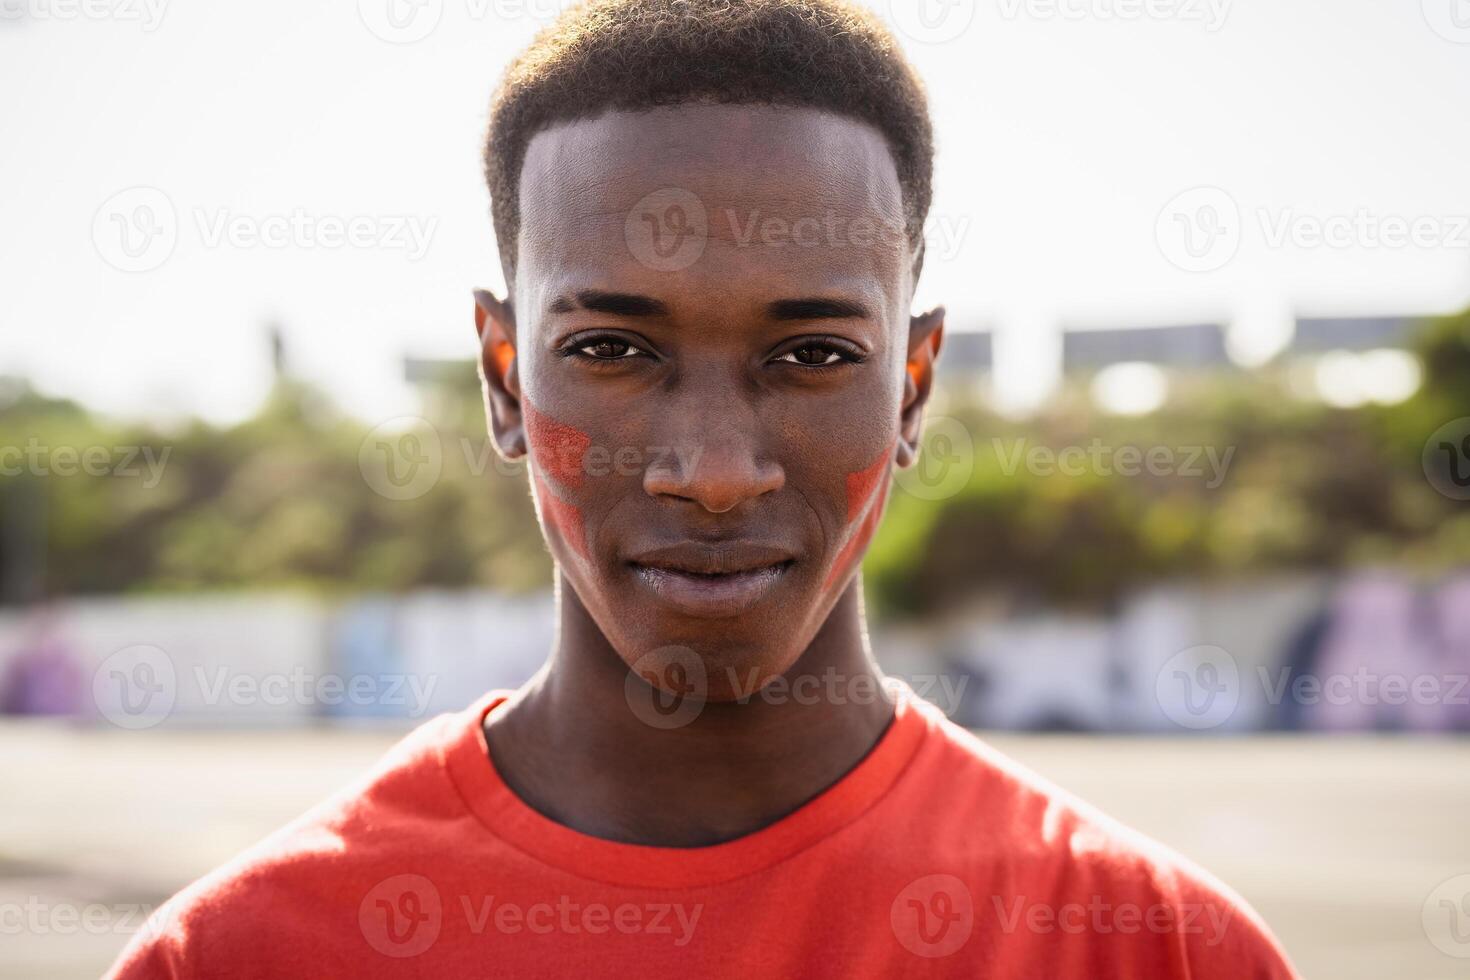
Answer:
[(1307, 487), (281, 500)]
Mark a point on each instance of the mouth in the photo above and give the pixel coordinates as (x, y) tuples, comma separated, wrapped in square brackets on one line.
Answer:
[(712, 581)]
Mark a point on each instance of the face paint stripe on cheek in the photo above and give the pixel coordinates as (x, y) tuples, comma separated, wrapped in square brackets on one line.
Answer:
[(852, 552), (557, 448), (558, 451), (867, 490), (860, 485), (563, 518)]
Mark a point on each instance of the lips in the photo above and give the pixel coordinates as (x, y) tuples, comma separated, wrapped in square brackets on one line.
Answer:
[(711, 580)]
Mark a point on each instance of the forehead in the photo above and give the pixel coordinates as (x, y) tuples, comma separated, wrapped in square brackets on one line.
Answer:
[(716, 198)]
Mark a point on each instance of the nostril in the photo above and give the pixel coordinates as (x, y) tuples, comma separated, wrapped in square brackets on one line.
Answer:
[(715, 485)]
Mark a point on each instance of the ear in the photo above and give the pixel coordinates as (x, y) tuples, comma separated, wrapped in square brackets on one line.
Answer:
[(495, 326), (926, 336)]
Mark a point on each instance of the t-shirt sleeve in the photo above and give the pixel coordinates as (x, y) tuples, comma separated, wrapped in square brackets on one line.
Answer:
[(1224, 938), (156, 951)]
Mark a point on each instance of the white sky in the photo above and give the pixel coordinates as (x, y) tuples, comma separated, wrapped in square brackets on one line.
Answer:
[(1064, 130)]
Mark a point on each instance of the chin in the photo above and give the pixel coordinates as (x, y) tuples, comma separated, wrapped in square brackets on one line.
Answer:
[(727, 662)]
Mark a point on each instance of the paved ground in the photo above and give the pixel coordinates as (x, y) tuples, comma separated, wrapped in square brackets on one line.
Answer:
[(1337, 842)]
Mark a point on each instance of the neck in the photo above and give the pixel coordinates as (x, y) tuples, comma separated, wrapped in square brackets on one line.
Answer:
[(571, 748)]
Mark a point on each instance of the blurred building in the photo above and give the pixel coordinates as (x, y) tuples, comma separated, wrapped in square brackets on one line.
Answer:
[(1192, 346), (1318, 335), (1351, 361), (1377, 650)]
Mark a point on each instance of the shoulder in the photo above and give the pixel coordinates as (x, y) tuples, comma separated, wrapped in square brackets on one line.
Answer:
[(1048, 861), (270, 899)]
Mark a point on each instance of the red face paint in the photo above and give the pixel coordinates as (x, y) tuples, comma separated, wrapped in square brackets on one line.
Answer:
[(558, 452), (867, 489), (559, 449), (564, 517)]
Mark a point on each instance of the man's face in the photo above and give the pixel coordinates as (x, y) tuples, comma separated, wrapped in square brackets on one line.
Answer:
[(711, 333)]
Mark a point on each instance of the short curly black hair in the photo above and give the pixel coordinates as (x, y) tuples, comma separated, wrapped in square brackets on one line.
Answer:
[(639, 54)]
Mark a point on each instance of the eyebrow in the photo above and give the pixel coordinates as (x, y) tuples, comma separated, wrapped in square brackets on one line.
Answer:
[(816, 308), (616, 304), (634, 305)]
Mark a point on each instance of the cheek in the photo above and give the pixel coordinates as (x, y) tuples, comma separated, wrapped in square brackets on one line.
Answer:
[(564, 518), (558, 452), (867, 489)]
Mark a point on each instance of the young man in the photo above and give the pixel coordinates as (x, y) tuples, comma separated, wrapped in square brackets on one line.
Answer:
[(709, 215)]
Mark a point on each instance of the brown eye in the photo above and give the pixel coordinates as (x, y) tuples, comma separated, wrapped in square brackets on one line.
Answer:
[(609, 349), (812, 356)]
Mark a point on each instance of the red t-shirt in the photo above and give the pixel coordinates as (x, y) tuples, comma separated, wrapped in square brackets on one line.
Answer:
[(934, 856)]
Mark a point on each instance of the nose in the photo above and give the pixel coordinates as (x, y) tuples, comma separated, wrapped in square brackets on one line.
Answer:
[(714, 462)]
